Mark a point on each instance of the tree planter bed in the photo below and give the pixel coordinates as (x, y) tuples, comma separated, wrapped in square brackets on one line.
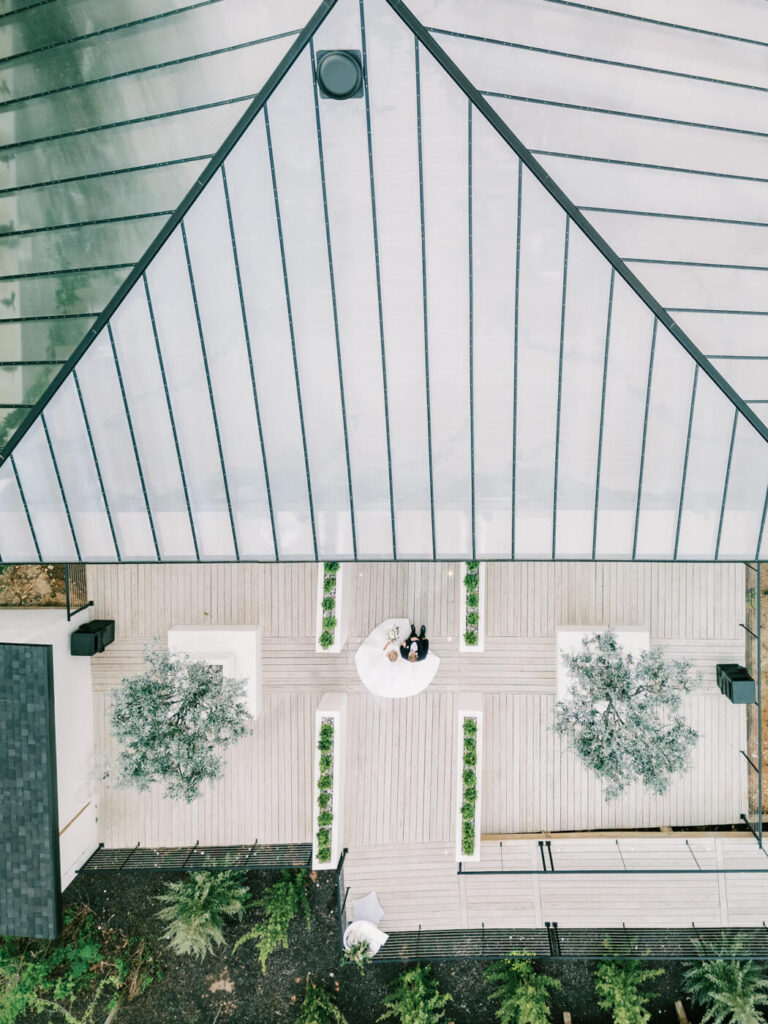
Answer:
[(469, 777), (472, 610), (327, 796), (329, 636)]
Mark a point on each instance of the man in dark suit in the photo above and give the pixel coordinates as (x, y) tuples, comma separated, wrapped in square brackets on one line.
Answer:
[(416, 647)]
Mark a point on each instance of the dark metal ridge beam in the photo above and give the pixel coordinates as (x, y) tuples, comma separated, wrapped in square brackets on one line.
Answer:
[(319, 16), (533, 165)]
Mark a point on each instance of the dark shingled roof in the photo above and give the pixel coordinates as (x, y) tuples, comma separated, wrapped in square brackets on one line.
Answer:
[(30, 880)]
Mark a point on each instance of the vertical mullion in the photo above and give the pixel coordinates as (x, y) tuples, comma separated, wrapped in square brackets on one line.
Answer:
[(61, 487), (26, 507), (133, 440), (725, 486), (516, 336), (602, 410), (560, 387), (424, 292), (333, 301), (170, 413), (762, 526), (471, 329), (645, 434), (289, 311), (247, 335), (685, 460), (210, 390), (366, 88), (96, 465)]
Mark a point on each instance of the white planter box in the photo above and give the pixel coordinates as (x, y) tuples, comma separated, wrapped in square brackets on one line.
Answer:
[(479, 647), (340, 636), (333, 707), (470, 706)]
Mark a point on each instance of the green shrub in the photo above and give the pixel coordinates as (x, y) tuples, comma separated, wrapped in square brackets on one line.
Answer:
[(318, 1006), (468, 809), (468, 837), (415, 999), (329, 623), (323, 800), (326, 763), (325, 781), (325, 818), (473, 618), (329, 584), (618, 983), (730, 991), (471, 581), (470, 793), (473, 566), (326, 639), (470, 638), (473, 599), (324, 845), (523, 995), (470, 758), (328, 603), (470, 726), (470, 743), (325, 739), (279, 905), (331, 568), (468, 777), (196, 908)]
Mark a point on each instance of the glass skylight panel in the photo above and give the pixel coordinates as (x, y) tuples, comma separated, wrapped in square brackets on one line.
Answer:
[(745, 498), (349, 198), (110, 432), (668, 416), (626, 394), (394, 136), (42, 493), (298, 187), (587, 319), (445, 160), (494, 256), (77, 471), (709, 447), (18, 544), (218, 302), (173, 307), (542, 255), (258, 249), (147, 400)]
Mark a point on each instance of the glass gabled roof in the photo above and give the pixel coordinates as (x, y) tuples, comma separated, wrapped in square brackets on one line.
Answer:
[(381, 331), (108, 114)]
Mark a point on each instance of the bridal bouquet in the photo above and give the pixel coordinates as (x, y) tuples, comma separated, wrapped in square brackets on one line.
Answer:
[(393, 634)]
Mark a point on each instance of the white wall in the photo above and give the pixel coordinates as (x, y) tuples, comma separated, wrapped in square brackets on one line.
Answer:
[(74, 726)]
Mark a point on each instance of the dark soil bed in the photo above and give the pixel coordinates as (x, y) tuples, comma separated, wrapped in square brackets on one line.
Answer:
[(32, 586), (225, 987)]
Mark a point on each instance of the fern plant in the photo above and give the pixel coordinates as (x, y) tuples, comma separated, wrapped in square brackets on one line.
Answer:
[(731, 990), (196, 908), (279, 904), (618, 984), (523, 995), (318, 1006), (416, 999)]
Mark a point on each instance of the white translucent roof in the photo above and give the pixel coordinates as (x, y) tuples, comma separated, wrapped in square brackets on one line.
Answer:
[(381, 332)]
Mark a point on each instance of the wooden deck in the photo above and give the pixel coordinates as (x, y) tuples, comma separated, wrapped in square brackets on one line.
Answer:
[(420, 886), (401, 753)]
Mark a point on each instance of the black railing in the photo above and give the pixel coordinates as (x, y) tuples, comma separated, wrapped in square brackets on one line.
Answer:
[(269, 857), (341, 897), (76, 586), (578, 943)]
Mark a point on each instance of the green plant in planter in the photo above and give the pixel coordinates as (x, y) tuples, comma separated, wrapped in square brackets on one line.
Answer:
[(325, 741), (523, 994), (470, 638), (279, 905), (326, 763), (471, 581), (326, 639), (329, 623), (331, 568), (473, 599), (323, 800), (618, 984), (325, 818), (318, 1006), (470, 758), (325, 781), (416, 999), (323, 845), (468, 837), (329, 585), (470, 726), (473, 566), (328, 603), (473, 618)]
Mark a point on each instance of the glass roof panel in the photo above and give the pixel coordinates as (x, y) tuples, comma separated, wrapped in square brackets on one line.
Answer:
[(16, 534), (42, 493)]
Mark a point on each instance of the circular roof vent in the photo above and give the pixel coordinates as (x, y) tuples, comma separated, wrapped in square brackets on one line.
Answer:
[(340, 74)]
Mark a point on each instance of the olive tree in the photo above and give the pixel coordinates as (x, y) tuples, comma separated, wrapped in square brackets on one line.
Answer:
[(174, 721), (622, 715)]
